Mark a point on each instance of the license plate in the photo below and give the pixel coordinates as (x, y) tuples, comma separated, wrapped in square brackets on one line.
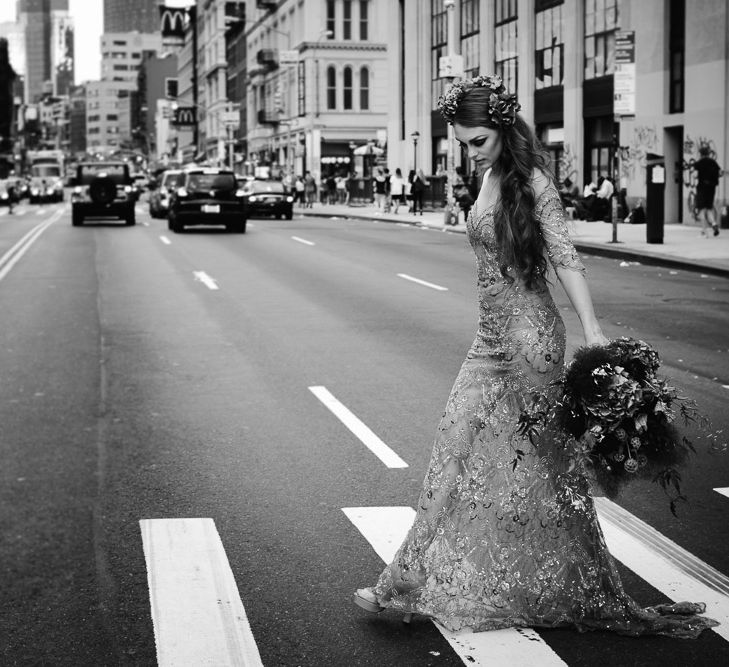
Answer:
[(211, 208)]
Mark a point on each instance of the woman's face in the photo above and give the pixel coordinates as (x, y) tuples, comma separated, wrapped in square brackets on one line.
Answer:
[(482, 143)]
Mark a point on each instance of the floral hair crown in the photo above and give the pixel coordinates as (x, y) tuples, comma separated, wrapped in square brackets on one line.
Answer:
[(503, 106)]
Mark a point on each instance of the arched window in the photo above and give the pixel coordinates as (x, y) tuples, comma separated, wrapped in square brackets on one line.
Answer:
[(347, 87), (364, 89), (331, 87)]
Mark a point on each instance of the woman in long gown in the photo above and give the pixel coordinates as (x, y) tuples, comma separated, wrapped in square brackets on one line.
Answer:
[(505, 532)]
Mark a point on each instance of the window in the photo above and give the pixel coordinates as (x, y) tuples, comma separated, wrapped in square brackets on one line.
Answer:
[(601, 20), (120, 68), (331, 88), (506, 47), (112, 116), (331, 18), (676, 49), (364, 7), (119, 42), (549, 55), (347, 88), (347, 19), (364, 89), (469, 36), (438, 47)]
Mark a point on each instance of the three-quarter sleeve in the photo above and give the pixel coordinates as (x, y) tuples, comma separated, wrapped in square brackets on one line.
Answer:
[(550, 214)]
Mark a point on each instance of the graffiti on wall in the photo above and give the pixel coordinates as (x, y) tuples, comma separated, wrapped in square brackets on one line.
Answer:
[(644, 140), (691, 153), (568, 164)]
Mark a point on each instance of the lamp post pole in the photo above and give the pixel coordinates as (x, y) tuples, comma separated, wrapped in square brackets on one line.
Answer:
[(451, 209), (415, 135)]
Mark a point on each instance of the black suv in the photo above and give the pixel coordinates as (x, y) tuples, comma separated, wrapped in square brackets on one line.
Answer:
[(268, 198), (207, 197), (102, 190)]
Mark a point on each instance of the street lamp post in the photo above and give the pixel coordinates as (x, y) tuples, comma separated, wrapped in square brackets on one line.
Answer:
[(415, 136), (451, 209)]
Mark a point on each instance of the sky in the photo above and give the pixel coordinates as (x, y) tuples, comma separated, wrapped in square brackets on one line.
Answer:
[(88, 21)]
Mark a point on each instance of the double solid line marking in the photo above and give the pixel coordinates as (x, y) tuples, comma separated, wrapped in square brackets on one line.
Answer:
[(12, 256)]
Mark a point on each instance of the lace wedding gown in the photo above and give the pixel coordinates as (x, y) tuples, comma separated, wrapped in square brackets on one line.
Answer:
[(498, 545)]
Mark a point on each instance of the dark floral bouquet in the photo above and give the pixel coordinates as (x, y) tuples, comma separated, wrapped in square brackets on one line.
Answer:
[(619, 417)]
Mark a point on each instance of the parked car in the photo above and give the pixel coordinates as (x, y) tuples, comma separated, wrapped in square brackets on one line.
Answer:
[(207, 197), (159, 197), (8, 192), (268, 198), (102, 190)]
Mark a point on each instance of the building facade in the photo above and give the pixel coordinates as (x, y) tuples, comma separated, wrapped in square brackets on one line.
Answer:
[(559, 57), (319, 88), (130, 15), (49, 37)]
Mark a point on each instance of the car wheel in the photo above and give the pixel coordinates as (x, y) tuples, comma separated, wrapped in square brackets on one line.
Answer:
[(175, 226), (290, 215), (130, 220), (236, 227), (77, 219)]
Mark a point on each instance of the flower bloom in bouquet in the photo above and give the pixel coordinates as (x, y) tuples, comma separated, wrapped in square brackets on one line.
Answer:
[(618, 417)]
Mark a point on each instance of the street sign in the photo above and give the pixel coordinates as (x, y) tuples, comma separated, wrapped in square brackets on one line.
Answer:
[(624, 79), (230, 119), (288, 57), (450, 66)]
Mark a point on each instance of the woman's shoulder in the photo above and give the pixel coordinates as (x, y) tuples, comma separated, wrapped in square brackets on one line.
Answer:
[(542, 183)]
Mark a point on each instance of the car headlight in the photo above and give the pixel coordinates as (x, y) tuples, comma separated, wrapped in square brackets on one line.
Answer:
[(240, 193), (181, 192), (289, 199), (34, 191), (253, 198), (77, 190), (127, 188), (3, 195)]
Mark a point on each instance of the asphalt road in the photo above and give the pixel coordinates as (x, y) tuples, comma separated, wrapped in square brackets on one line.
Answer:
[(147, 375)]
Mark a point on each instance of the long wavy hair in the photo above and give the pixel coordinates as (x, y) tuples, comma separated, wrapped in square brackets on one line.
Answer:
[(518, 235)]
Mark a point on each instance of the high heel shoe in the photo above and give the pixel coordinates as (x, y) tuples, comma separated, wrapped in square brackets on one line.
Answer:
[(367, 600)]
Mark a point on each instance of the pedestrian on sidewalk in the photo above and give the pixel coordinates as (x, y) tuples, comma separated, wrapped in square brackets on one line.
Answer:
[(461, 193), (299, 191), (417, 190), (380, 188), (341, 181), (309, 190), (708, 172), (506, 533), (397, 189)]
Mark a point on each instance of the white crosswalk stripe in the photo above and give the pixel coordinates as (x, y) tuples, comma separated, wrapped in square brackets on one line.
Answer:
[(197, 612)]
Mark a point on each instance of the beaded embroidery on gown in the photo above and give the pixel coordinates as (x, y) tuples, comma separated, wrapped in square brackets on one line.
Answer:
[(495, 545)]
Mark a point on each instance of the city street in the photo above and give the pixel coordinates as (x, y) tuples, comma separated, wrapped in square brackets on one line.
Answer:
[(209, 440)]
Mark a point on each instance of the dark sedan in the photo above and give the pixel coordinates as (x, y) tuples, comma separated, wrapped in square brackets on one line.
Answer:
[(268, 198), (207, 197)]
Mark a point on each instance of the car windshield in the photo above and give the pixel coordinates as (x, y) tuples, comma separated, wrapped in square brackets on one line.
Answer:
[(46, 170), (117, 172), (169, 178), (267, 186), (211, 182)]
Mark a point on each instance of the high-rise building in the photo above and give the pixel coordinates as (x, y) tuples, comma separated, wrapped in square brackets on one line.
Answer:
[(48, 32), (128, 15)]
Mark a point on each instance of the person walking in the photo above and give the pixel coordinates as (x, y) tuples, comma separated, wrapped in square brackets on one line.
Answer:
[(397, 189), (299, 190), (417, 190), (707, 172), (380, 185), (461, 193), (309, 190), (505, 533)]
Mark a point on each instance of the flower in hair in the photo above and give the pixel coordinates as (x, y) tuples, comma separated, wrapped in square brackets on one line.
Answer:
[(502, 106)]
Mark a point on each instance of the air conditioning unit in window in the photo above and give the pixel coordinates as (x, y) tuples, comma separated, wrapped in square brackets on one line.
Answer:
[(268, 58), (266, 5)]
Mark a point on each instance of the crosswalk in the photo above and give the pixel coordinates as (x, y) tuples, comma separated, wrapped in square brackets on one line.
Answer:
[(199, 617)]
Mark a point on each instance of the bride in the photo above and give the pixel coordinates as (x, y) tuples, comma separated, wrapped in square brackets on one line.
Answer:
[(498, 540)]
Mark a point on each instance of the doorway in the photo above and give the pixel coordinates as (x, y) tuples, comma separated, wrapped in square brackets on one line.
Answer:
[(673, 151)]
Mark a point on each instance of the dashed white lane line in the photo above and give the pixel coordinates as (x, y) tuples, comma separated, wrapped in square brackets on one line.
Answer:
[(165, 240), (425, 283), (359, 428), (197, 613), (304, 241), (725, 386), (666, 566), (385, 528), (724, 491), (205, 279)]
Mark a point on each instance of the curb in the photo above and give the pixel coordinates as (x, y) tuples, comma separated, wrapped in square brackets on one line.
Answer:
[(601, 250)]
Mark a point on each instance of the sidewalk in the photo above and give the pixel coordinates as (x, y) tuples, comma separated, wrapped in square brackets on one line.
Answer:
[(683, 246)]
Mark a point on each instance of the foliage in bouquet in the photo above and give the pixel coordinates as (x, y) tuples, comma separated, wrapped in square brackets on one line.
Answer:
[(620, 417)]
